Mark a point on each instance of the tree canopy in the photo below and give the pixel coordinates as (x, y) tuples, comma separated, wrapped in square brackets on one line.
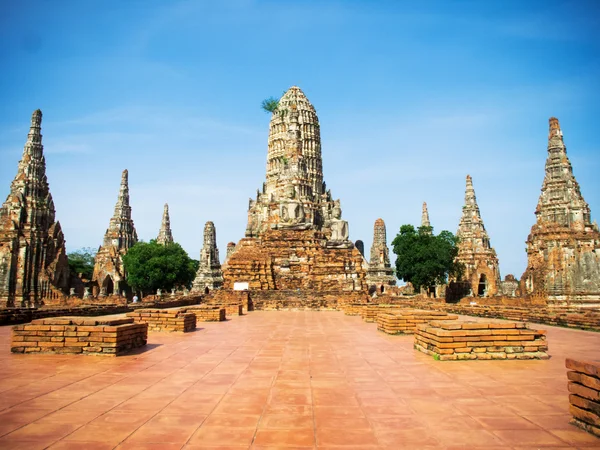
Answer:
[(151, 266), (270, 104), (425, 259), (82, 262)]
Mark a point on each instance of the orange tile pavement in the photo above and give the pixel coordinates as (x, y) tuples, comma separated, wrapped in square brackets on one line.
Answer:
[(288, 379)]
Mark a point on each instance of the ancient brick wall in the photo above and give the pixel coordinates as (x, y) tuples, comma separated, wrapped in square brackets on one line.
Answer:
[(78, 335), (460, 340), (584, 397), (171, 320), (405, 321), (207, 313)]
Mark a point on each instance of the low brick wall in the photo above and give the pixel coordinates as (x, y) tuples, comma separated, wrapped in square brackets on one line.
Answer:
[(231, 309), (353, 309), (584, 397), (207, 313), (405, 321), (370, 312), (572, 317), (79, 335), (172, 320), (460, 339)]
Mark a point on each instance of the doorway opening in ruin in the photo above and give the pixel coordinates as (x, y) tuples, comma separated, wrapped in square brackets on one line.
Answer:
[(206, 290), (482, 289), (108, 285)]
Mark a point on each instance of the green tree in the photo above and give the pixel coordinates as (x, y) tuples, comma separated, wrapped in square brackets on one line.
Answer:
[(151, 266), (425, 259), (82, 262), (270, 104)]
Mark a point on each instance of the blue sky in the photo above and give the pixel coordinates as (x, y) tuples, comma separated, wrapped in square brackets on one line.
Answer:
[(411, 97)]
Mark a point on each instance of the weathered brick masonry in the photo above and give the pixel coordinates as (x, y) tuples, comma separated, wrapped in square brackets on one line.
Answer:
[(207, 313), (458, 340), (165, 319), (79, 335), (584, 397), (406, 321)]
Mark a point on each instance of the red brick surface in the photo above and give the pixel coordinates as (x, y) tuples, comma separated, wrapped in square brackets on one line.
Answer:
[(288, 379)]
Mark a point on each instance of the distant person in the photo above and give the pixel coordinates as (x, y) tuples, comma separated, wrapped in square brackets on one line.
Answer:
[(135, 299)]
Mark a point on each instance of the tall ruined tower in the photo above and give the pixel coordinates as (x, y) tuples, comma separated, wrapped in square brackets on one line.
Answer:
[(380, 271), (474, 249), (295, 239), (294, 194), (165, 236), (118, 239), (209, 275), (33, 261), (563, 248)]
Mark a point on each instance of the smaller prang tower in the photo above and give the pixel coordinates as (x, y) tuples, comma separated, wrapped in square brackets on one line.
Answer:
[(120, 236), (380, 273), (165, 236), (209, 275), (563, 248), (474, 248)]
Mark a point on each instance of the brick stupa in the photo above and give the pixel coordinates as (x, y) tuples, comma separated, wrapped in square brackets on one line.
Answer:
[(120, 236), (296, 240), (33, 262), (563, 248), (474, 249)]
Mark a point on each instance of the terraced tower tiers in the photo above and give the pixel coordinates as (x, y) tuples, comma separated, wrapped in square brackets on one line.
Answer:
[(120, 236), (380, 272), (165, 236), (563, 248), (294, 195), (474, 249), (33, 262), (209, 275), (296, 241)]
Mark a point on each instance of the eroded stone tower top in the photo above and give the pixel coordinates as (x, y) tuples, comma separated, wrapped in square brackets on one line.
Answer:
[(561, 203), (294, 195), (165, 236), (295, 146), (425, 216)]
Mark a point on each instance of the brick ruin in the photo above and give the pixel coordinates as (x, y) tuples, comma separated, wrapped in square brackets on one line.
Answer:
[(380, 273), (295, 240), (563, 248), (475, 252), (33, 262), (165, 236), (120, 236), (209, 275)]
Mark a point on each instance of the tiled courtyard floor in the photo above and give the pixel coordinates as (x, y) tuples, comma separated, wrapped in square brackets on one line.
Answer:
[(286, 379)]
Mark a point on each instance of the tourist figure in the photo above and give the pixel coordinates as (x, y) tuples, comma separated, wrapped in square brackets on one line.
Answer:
[(135, 298)]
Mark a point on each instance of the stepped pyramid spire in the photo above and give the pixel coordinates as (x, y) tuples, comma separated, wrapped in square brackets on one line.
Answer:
[(120, 236), (425, 216), (294, 195), (561, 203), (474, 249), (209, 275), (33, 262), (380, 271), (563, 248), (165, 236)]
